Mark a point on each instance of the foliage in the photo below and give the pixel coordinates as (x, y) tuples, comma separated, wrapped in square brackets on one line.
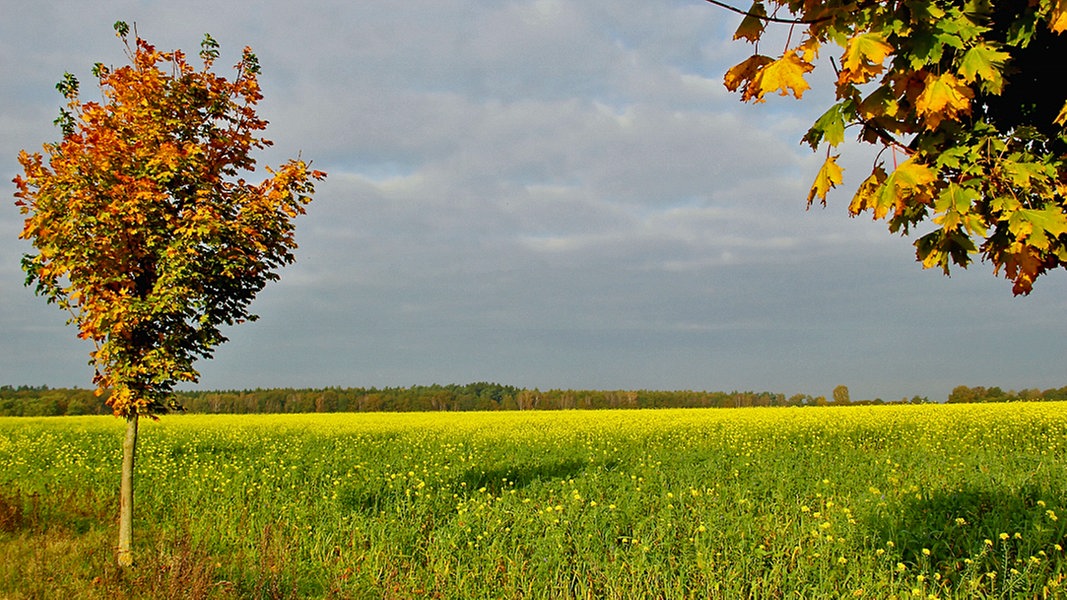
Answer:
[(144, 227), (481, 396), (964, 102), (901, 501)]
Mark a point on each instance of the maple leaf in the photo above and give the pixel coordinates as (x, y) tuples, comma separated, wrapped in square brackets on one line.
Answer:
[(986, 62), (829, 128), (866, 194), (908, 182), (1022, 264), (863, 58), (953, 206), (751, 27), (943, 97), (1058, 17), (784, 75), (1036, 226), (744, 74), (829, 176)]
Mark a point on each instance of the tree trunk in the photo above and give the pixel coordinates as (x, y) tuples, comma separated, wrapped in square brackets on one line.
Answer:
[(129, 449)]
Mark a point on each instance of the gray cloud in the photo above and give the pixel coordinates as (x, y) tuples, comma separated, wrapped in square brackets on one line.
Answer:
[(545, 193)]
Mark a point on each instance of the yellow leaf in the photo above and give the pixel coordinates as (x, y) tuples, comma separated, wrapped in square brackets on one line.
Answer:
[(907, 185), (863, 58), (784, 75), (830, 175), (865, 197), (943, 97), (911, 175), (1061, 119), (744, 73)]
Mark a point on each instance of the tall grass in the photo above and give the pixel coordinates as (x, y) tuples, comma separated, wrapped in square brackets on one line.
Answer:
[(878, 502)]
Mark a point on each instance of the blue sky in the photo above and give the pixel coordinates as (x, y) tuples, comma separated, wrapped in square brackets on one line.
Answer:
[(544, 193)]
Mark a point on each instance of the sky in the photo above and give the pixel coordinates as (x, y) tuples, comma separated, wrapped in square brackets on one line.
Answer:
[(540, 193)]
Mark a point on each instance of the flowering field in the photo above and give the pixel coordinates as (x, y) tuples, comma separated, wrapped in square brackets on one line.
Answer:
[(956, 501)]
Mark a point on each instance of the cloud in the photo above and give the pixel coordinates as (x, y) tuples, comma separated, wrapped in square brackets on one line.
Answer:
[(544, 193)]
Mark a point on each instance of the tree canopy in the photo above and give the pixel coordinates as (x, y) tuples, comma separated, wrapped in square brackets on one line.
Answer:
[(966, 101), (144, 227)]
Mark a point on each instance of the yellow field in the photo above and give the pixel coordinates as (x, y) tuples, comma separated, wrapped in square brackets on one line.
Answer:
[(956, 501)]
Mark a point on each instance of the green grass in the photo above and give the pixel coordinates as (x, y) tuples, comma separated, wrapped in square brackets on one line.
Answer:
[(962, 501)]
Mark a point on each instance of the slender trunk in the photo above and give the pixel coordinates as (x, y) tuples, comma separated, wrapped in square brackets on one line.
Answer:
[(129, 449)]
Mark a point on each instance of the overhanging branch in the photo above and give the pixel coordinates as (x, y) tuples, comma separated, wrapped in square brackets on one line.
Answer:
[(767, 18)]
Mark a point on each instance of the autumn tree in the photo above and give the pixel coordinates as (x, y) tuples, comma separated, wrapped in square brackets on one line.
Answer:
[(967, 102), (145, 230)]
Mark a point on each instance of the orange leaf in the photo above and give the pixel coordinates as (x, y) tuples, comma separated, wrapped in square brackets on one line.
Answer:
[(1058, 18)]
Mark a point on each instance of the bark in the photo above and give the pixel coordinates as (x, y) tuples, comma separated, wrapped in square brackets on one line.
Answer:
[(129, 450)]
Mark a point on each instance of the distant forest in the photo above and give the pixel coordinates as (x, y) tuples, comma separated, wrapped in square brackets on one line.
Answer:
[(45, 401)]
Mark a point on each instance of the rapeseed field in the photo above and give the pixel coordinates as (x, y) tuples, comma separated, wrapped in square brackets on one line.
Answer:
[(931, 501)]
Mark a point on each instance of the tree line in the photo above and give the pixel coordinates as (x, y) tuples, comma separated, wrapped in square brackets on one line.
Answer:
[(45, 401)]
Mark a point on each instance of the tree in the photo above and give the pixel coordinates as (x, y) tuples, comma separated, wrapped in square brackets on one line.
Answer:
[(841, 395), (962, 99), (145, 231)]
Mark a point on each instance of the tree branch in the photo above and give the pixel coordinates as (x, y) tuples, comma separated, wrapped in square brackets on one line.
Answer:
[(766, 18)]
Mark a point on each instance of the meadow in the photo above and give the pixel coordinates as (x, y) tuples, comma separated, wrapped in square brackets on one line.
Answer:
[(930, 501)]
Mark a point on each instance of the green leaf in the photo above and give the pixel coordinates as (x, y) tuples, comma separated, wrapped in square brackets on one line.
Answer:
[(986, 62), (830, 127), (956, 198), (1023, 174), (752, 25), (1037, 225)]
